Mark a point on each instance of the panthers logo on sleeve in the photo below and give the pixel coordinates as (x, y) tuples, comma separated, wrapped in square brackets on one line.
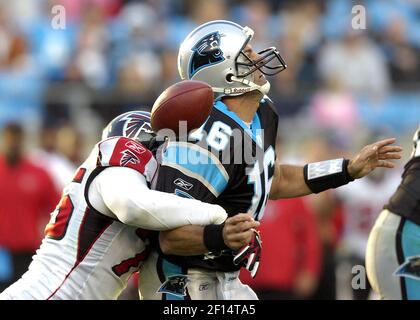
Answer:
[(206, 52)]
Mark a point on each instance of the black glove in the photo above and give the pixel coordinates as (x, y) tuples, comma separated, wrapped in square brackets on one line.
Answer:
[(249, 255)]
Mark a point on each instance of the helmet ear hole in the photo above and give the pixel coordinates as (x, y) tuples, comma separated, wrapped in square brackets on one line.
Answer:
[(229, 77)]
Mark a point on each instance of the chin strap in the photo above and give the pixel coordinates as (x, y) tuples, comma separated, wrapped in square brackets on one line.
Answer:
[(251, 86)]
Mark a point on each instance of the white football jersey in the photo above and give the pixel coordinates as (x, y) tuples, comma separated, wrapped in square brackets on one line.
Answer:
[(363, 200), (85, 254)]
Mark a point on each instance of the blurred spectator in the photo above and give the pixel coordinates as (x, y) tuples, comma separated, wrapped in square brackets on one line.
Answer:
[(75, 8), (404, 59), (135, 79), (169, 73), (70, 144), (328, 215), (27, 196), (13, 43), (202, 11), (20, 80), (356, 63), (362, 201), (300, 21), (291, 255), (258, 16), (134, 60), (51, 48), (59, 167), (195, 13), (89, 63), (334, 108)]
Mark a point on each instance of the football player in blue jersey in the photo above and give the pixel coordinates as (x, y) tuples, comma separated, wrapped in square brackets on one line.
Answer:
[(231, 161), (393, 250)]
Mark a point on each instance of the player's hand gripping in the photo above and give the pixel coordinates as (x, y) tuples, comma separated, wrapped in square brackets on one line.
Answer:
[(373, 156), (250, 254), (238, 230)]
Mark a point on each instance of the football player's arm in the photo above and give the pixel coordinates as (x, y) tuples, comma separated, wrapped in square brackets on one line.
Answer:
[(288, 182), (126, 195), (189, 240), (294, 181), (192, 179)]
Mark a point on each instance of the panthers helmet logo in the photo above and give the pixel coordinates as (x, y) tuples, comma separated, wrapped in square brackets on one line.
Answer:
[(206, 52)]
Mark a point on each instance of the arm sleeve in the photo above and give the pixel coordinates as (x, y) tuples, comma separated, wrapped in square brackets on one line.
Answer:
[(125, 193)]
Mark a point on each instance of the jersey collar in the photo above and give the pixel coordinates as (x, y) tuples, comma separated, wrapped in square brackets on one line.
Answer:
[(254, 132)]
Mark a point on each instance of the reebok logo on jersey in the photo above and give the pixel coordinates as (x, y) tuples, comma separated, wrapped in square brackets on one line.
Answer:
[(128, 157), (135, 147), (183, 184)]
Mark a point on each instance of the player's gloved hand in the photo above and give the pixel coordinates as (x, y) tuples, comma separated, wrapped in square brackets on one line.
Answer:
[(249, 255)]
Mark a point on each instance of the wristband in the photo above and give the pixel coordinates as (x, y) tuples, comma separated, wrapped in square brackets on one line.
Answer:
[(213, 237), (323, 175)]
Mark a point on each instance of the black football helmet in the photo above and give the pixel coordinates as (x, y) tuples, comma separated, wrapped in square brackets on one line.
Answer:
[(132, 124)]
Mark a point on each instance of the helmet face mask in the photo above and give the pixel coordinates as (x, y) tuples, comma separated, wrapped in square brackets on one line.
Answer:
[(214, 53), (270, 63)]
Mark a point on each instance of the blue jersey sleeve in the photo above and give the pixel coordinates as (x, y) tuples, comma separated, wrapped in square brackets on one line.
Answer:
[(190, 170)]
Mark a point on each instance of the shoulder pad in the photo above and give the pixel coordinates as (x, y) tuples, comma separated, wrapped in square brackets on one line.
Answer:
[(126, 152)]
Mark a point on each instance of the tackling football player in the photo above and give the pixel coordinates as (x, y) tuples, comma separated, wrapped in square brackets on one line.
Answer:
[(93, 242)]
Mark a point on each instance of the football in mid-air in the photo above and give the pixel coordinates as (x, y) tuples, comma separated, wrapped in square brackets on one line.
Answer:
[(189, 100)]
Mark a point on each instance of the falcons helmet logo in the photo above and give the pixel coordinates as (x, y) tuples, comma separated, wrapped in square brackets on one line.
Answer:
[(128, 156), (135, 123)]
